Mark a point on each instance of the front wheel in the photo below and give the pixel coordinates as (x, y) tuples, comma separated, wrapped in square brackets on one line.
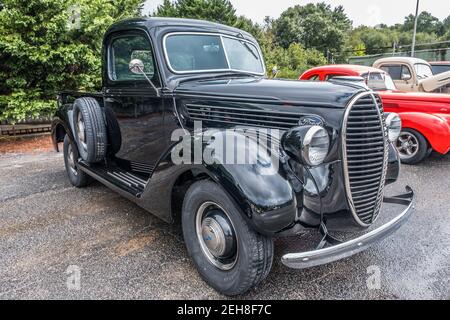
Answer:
[(229, 255), (412, 146)]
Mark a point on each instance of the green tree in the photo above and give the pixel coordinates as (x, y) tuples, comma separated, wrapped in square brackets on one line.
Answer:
[(375, 40), (291, 61), (313, 26), (221, 11), (47, 46), (426, 23), (446, 26), (295, 60)]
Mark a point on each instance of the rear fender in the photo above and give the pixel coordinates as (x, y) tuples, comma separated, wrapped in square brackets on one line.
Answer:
[(59, 130), (435, 128)]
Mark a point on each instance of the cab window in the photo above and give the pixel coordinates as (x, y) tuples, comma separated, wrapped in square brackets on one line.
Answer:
[(331, 76), (423, 70), (125, 48), (314, 77), (397, 72), (378, 81)]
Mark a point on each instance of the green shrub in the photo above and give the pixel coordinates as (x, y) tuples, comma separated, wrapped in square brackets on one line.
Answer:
[(45, 47)]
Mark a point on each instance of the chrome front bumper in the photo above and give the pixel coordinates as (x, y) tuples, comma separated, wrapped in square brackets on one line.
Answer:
[(346, 249)]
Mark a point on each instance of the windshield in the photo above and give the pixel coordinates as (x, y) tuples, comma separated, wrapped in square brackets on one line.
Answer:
[(188, 53), (437, 68), (378, 81), (423, 71)]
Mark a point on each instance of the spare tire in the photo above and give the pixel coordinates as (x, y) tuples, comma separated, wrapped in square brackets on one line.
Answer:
[(89, 129)]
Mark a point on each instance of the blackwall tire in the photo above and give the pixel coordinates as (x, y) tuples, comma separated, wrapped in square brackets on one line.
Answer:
[(412, 146), (76, 177), (89, 129), (254, 252)]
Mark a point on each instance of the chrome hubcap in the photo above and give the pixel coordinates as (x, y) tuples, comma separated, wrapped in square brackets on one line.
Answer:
[(407, 145), (213, 236), (71, 160), (216, 235), (81, 131)]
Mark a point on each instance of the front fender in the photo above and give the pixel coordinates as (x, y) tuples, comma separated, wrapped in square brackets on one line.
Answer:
[(258, 185), (250, 172), (434, 127)]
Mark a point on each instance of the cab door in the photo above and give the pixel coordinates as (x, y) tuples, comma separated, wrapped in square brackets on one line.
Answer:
[(402, 75), (133, 101)]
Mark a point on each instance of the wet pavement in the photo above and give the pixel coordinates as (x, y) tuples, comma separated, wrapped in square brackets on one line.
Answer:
[(50, 232)]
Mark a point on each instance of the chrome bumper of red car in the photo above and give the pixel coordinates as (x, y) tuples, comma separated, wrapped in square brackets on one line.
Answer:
[(346, 249)]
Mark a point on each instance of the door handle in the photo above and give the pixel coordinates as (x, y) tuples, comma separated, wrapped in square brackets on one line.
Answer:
[(111, 100), (444, 109)]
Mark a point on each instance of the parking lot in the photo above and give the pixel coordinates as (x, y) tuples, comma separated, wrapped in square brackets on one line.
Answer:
[(122, 252)]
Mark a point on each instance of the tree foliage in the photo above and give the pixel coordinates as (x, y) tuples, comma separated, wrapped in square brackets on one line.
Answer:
[(45, 48), (315, 26), (382, 38), (426, 23), (291, 60), (221, 11), (51, 45)]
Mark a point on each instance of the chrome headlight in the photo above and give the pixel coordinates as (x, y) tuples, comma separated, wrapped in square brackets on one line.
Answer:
[(315, 145), (307, 144), (394, 126)]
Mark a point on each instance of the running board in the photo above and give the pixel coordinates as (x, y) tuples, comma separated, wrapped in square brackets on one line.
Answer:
[(141, 167), (127, 178), (115, 178)]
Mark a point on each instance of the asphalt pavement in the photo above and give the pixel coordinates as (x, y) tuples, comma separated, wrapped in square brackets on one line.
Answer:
[(60, 242)]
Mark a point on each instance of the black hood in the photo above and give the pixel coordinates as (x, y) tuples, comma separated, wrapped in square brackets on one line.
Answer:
[(289, 92)]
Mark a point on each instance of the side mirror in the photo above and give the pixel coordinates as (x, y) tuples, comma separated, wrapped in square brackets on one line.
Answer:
[(136, 66), (406, 77), (274, 72)]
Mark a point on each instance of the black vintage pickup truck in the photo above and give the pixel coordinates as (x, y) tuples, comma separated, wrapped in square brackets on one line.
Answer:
[(188, 127)]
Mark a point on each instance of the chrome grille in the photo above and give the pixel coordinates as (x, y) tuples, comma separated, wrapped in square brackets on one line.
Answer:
[(282, 120), (365, 156)]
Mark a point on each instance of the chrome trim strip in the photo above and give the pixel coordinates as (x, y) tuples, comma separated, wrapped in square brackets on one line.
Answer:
[(379, 202), (346, 249), (226, 57)]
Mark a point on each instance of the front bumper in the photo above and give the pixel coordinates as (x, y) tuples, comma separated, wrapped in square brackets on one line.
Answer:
[(346, 249)]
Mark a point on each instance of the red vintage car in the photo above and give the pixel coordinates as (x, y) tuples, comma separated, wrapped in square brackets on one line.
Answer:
[(425, 116)]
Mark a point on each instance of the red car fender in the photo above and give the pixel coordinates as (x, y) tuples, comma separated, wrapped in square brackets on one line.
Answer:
[(434, 127)]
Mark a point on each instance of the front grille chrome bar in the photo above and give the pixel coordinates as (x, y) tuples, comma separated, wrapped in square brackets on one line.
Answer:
[(365, 150)]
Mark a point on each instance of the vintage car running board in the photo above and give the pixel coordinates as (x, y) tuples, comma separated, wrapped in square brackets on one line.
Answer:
[(346, 249), (115, 177)]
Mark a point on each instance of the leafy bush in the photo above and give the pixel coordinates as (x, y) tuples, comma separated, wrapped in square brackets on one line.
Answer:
[(46, 47)]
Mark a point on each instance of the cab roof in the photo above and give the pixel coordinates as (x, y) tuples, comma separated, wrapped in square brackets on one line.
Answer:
[(182, 24), (408, 60)]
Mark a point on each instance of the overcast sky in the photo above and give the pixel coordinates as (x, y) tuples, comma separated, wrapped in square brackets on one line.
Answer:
[(367, 12)]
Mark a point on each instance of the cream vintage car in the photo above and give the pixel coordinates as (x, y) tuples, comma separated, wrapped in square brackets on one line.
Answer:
[(413, 74)]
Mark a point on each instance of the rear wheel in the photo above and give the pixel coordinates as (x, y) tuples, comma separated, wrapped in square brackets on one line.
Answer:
[(412, 146), (77, 177), (229, 255)]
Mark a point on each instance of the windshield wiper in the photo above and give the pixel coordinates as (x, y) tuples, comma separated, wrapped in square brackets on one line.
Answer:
[(218, 76), (250, 49), (247, 46)]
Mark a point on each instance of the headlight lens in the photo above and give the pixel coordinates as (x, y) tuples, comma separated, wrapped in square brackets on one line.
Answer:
[(394, 126), (315, 145)]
